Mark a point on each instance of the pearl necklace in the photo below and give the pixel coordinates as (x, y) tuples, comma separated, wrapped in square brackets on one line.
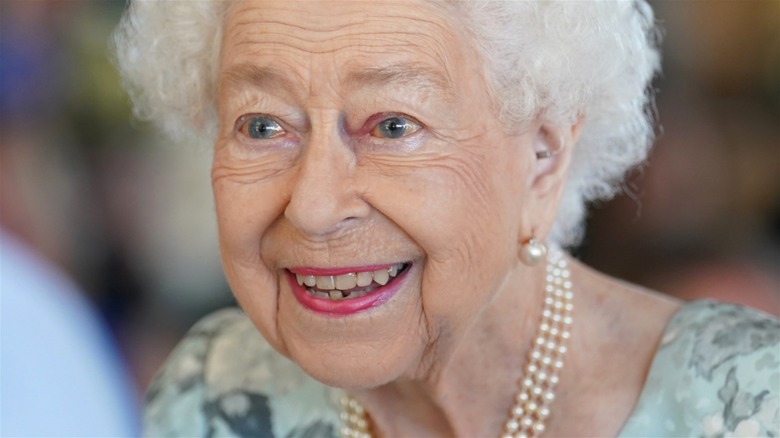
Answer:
[(545, 360)]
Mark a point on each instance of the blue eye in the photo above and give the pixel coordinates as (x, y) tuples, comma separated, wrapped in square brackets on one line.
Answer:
[(261, 128), (395, 127)]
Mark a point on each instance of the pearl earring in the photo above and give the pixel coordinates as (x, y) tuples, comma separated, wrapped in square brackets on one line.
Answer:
[(532, 252)]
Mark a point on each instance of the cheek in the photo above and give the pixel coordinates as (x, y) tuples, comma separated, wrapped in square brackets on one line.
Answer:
[(249, 195), (460, 214), (244, 213), (453, 208)]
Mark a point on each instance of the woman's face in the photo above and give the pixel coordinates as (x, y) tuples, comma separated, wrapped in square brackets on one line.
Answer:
[(357, 138)]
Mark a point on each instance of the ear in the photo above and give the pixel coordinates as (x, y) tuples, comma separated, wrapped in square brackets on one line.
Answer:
[(553, 148)]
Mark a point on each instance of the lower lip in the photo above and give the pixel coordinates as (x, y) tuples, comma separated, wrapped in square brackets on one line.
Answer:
[(347, 306)]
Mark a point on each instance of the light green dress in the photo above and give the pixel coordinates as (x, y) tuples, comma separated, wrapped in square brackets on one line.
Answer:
[(715, 374)]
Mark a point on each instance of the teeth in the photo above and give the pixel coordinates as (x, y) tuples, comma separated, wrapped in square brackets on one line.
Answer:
[(325, 282), (364, 278), (381, 276), (328, 286), (346, 282)]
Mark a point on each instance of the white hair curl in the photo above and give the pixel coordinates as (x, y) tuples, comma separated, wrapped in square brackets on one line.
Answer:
[(554, 59)]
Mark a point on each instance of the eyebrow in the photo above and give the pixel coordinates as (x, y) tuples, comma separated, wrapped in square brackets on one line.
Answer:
[(261, 77), (410, 75), (406, 74)]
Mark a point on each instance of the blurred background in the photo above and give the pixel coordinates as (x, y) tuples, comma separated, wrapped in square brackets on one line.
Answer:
[(128, 216)]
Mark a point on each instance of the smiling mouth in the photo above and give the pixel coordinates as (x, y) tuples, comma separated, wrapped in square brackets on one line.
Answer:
[(350, 285)]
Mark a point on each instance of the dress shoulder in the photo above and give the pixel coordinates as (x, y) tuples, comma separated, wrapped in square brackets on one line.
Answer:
[(224, 379), (715, 374)]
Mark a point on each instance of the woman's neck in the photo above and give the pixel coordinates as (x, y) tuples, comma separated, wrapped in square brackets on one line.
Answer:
[(472, 380), (468, 383)]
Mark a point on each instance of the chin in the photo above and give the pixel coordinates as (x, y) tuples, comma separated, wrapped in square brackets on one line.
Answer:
[(351, 378), (356, 368)]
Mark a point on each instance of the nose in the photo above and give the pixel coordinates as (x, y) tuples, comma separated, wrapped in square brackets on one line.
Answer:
[(325, 199)]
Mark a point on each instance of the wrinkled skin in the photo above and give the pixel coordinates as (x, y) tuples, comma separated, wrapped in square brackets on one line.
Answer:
[(456, 194)]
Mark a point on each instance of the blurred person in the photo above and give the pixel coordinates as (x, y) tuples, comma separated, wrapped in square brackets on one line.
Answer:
[(393, 196), (79, 186), (60, 374)]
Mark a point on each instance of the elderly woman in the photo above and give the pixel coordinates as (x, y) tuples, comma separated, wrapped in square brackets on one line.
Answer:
[(393, 184)]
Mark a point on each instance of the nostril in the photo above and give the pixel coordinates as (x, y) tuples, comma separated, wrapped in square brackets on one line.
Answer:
[(321, 214)]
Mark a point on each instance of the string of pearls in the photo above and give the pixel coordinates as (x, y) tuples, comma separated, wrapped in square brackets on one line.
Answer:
[(545, 360), (354, 421)]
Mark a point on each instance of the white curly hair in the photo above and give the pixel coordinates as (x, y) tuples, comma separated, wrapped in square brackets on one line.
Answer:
[(554, 59)]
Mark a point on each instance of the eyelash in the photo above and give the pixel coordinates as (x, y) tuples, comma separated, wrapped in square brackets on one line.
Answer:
[(243, 126), (371, 126), (376, 121)]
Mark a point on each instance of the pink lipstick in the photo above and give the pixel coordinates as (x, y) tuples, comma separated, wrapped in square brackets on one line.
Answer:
[(345, 291)]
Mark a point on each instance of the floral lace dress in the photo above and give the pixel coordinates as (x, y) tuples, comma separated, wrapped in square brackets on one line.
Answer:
[(715, 374)]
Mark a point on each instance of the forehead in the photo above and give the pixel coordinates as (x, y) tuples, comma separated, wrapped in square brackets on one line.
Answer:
[(365, 41)]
